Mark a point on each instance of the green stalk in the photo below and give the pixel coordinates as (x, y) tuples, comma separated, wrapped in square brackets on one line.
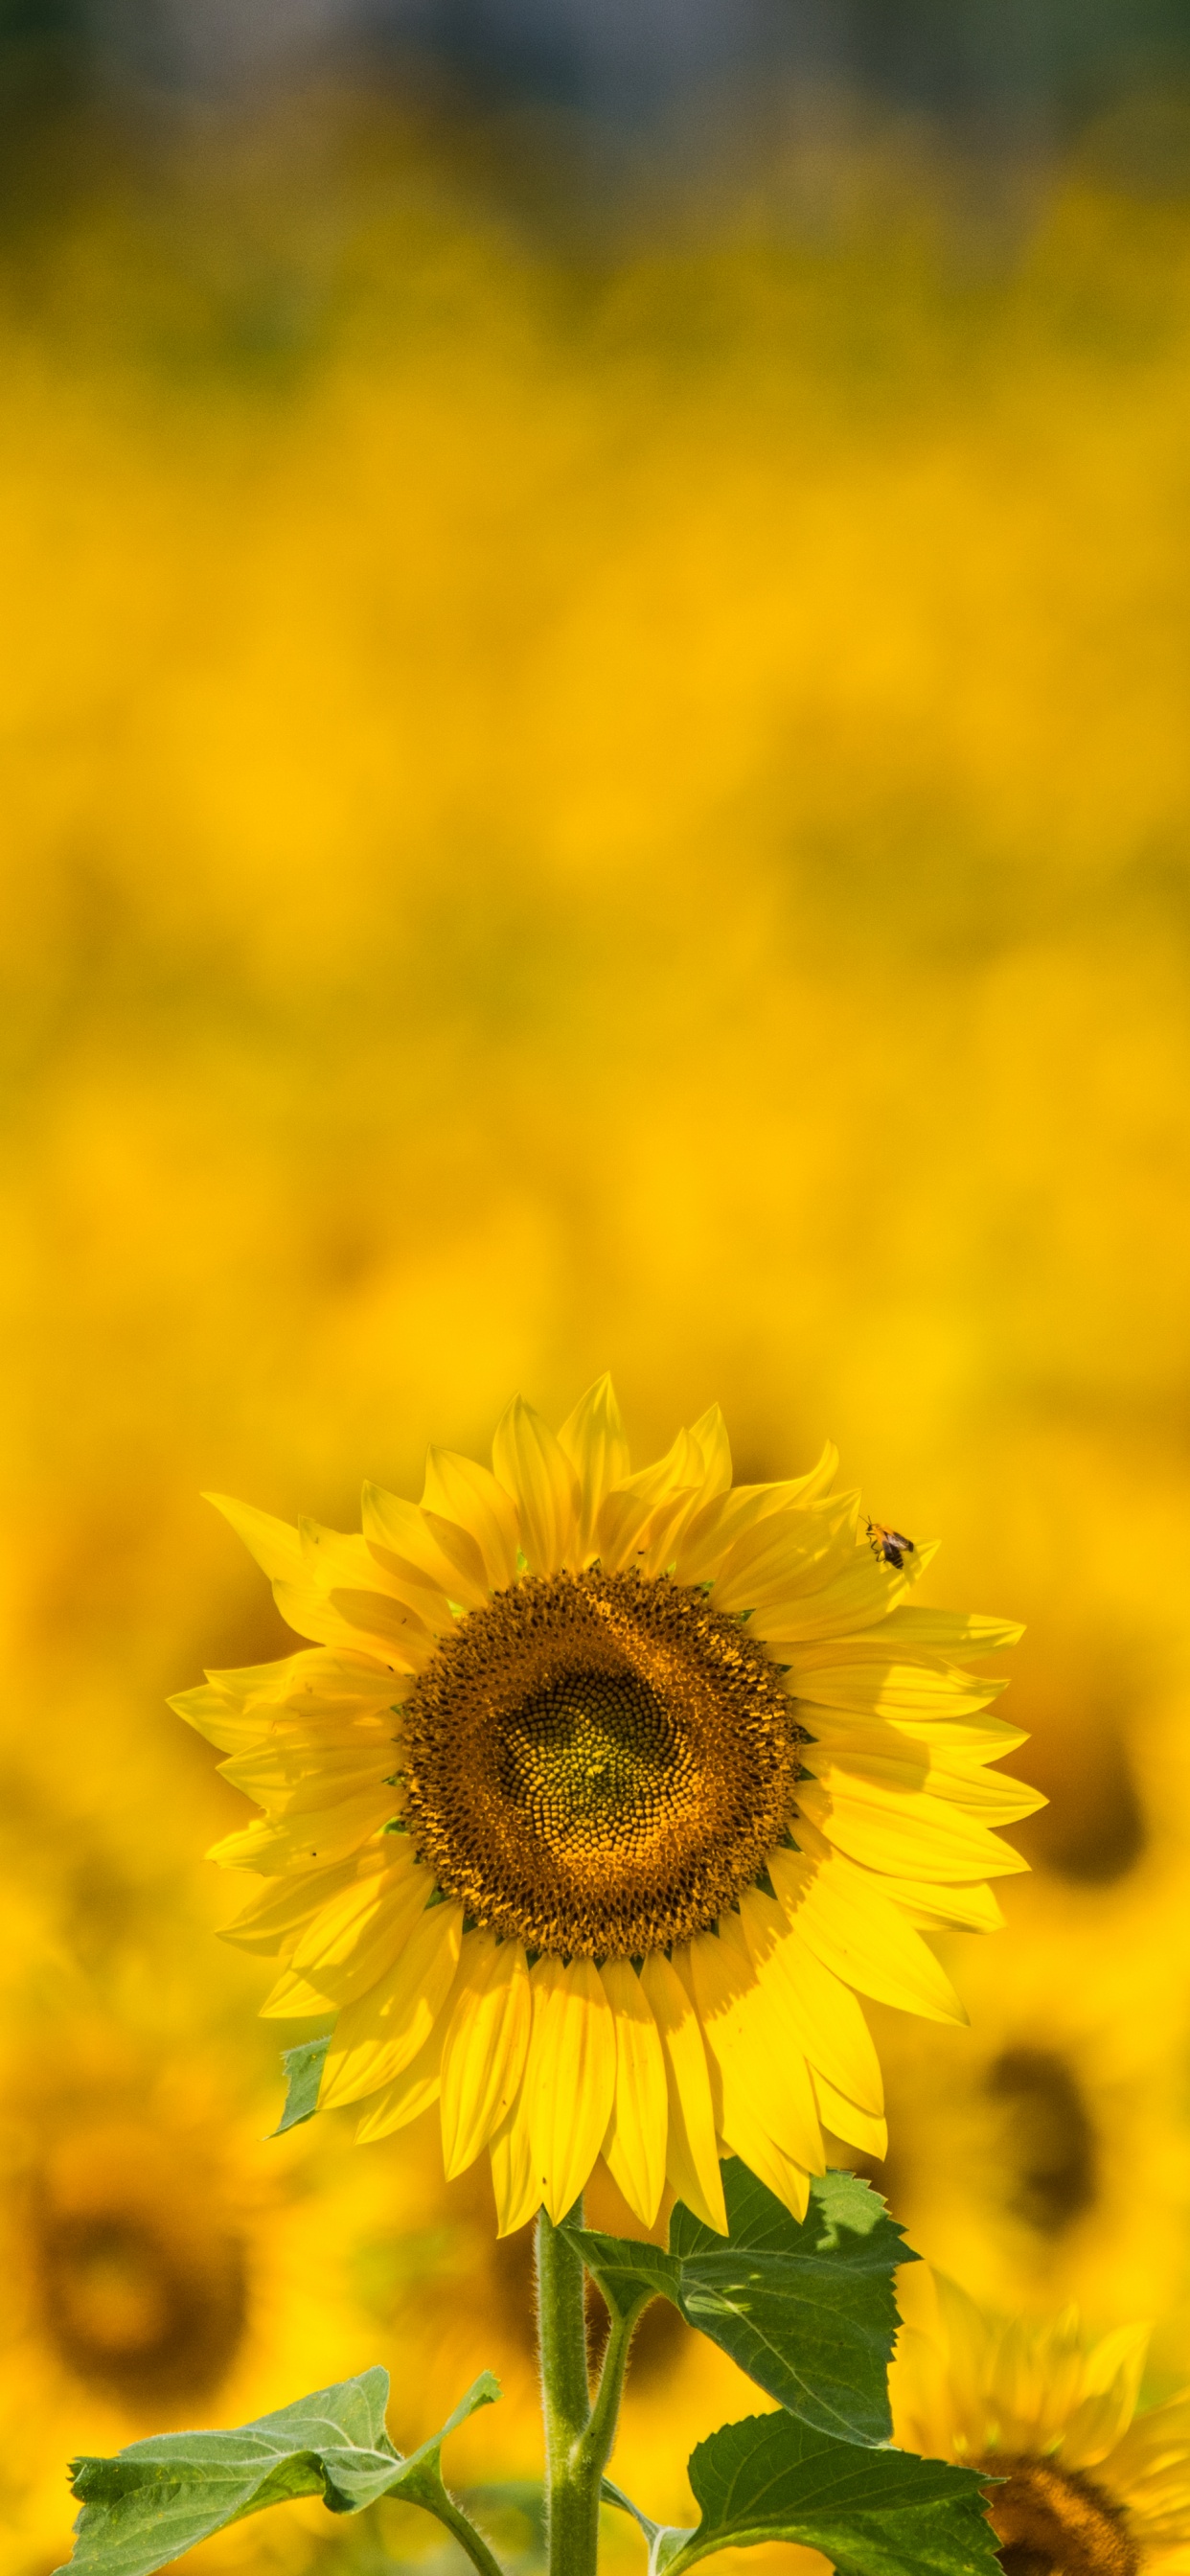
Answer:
[(578, 2435), (572, 2495), (468, 2538)]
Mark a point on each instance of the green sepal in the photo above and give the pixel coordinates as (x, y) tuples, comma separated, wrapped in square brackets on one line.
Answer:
[(805, 2306), (160, 2497), (871, 2512), (303, 2075)]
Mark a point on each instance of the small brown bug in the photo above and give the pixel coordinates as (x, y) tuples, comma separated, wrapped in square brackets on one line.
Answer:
[(889, 1544)]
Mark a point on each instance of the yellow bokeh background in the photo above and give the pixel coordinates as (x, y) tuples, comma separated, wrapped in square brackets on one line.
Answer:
[(612, 800)]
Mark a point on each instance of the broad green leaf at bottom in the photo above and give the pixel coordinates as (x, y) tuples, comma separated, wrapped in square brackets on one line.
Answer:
[(871, 2512), (158, 2498)]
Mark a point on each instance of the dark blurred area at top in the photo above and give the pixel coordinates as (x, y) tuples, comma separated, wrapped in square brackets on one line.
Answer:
[(677, 86)]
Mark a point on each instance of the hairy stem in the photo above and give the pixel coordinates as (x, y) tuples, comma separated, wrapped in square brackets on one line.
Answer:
[(595, 2448), (572, 2486), (464, 2531)]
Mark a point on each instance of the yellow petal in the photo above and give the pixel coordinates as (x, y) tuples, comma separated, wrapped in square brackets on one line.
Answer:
[(763, 2079), (906, 1777), (632, 1530), (872, 1679), (443, 1553), (292, 1999), (276, 1547), (514, 2178), (275, 1918), (288, 1780), (953, 1749), (949, 1909), (710, 1433), (307, 1841), (785, 2177), (634, 2146), (386, 1880), (862, 1591), (211, 1713), (642, 1519), (824, 2016), (485, 2046), (691, 2157), (410, 2094), (355, 1939), (846, 1919), (463, 1491), (682, 1466), (742, 2098), (315, 1678), (533, 1467), (570, 2078), (923, 1836), (312, 1693), (372, 1621), (429, 1601), (789, 1552), (378, 2037), (1150, 2467), (342, 1568), (331, 1556), (467, 1580), (593, 1440), (844, 2119), (961, 1634), (717, 1524), (287, 1732), (1112, 2374)]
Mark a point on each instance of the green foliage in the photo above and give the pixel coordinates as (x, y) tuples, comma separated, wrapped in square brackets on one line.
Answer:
[(805, 2307), (871, 2512), (160, 2497), (303, 2075)]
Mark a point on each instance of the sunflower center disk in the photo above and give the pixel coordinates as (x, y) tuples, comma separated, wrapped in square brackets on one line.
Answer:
[(593, 1752), (1056, 2522), (598, 1764)]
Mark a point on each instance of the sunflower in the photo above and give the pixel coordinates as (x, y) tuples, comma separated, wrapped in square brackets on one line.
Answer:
[(1089, 2487), (1040, 2159), (600, 1797), (160, 2262)]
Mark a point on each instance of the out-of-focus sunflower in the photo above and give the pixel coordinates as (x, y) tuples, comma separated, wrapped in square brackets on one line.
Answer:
[(160, 2265), (1090, 2488), (600, 1796), (1039, 2155)]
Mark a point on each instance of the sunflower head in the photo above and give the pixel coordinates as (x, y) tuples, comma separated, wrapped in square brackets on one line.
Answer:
[(1084, 2486), (597, 1764), (597, 1798)]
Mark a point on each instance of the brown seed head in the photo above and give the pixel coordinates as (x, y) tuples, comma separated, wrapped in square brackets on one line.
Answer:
[(597, 1764), (1056, 2522)]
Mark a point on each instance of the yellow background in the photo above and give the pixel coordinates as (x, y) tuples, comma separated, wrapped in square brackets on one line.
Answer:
[(575, 803)]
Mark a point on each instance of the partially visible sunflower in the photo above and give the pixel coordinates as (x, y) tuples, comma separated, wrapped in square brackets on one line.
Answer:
[(1041, 2159), (599, 1798), (1090, 2488), (160, 2263)]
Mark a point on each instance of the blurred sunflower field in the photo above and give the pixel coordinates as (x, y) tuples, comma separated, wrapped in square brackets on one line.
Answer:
[(579, 793)]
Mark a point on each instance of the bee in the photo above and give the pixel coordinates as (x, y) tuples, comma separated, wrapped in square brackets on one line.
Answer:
[(889, 1544)]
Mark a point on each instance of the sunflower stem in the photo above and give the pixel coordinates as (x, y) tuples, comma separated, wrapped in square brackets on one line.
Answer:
[(572, 2475), (600, 2434)]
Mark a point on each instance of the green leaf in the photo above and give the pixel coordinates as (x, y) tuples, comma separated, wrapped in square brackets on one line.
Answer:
[(160, 2497), (871, 2512), (303, 2075), (806, 2306), (663, 2538)]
